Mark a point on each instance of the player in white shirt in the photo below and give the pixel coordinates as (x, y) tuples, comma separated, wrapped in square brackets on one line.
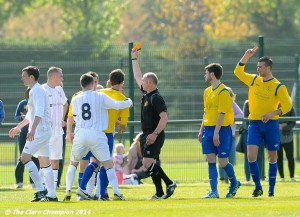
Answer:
[(91, 118), (69, 137), (38, 137), (58, 109)]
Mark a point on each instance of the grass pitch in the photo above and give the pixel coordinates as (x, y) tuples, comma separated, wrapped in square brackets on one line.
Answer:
[(185, 202), (184, 163)]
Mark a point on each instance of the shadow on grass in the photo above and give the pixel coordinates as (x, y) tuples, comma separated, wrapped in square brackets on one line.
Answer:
[(11, 189)]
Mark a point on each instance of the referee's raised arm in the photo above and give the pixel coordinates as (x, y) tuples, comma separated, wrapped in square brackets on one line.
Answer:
[(136, 68)]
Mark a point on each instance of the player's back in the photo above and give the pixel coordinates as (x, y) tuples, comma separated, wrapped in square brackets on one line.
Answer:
[(88, 111)]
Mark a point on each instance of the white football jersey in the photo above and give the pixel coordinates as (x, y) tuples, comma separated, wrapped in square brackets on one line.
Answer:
[(38, 105), (90, 109), (57, 100)]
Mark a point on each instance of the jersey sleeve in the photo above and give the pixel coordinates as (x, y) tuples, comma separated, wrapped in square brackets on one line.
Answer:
[(63, 95), (225, 104), (204, 101), (246, 78), (1, 111), (158, 103), (109, 103), (124, 115), (284, 99), (74, 109), (39, 103), (70, 113), (19, 109)]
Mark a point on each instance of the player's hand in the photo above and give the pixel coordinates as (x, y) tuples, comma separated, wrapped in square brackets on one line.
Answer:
[(216, 139), (265, 118), (134, 54), (282, 125), (250, 52), (23, 115), (63, 123), (70, 137), (30, 135), (151, 138), (200, 137), (13, 132), (121, 128)]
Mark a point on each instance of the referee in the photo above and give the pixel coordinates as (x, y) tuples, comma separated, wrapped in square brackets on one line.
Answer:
[(154, 119)]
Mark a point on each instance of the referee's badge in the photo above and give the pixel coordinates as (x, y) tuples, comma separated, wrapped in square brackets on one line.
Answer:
[(145, 104)]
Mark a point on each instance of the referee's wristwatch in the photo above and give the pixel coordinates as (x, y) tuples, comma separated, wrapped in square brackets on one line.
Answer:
[(156, 133)]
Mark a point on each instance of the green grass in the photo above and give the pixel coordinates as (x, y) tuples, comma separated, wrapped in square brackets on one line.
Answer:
[(185, 202), (183, 161)]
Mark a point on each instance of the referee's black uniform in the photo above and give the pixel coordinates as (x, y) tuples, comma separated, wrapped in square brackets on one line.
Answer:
[(152, 105)]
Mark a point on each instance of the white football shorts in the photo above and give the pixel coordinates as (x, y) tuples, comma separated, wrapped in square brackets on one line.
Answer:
[(39, 146), (86, 140), (56, 147)]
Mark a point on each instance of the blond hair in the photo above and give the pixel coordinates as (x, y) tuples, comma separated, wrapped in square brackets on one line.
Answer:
[(120, 145), (137, 138)]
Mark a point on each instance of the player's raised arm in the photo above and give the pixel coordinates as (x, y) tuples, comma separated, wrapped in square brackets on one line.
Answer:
[(248, 54), (136, 67)]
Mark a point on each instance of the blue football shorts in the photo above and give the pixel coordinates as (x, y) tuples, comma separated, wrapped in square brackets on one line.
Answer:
[(225, 136), (269, 132)]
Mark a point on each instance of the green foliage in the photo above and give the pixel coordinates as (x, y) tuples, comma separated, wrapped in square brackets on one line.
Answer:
[(272, 18), (10, 8), (92, 22)]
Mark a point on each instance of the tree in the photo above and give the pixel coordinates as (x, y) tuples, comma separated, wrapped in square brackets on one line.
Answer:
[(40, 24), (225, 25), (274, 18), (92, 22), (180, 23), (10, 8)]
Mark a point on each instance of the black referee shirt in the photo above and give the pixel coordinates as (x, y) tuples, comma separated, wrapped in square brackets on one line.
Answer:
[(152, 105)]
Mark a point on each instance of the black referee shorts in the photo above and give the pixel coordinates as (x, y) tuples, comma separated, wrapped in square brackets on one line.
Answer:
[(152, 151)]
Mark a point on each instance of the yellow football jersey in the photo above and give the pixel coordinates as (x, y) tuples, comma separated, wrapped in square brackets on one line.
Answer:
[(264, 96), (217, 101), (114, 115), (70, 114)]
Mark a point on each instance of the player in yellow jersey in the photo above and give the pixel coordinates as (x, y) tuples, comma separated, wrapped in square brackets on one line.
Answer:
[(265, 95), (215, 133), (116, 78)]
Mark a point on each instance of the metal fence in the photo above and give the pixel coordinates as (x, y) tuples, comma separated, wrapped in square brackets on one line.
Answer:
[(181, 81)]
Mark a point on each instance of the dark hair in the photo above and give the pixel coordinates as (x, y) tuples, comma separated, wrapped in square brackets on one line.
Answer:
[(116, 77), (93, 74), (266, 60), (215, 68), (86, 80), (32, 70)]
